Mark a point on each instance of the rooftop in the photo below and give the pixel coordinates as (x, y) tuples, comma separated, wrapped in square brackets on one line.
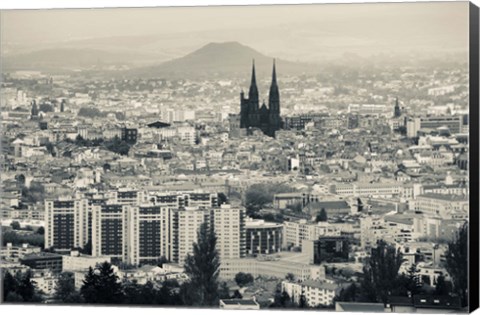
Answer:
[(361, 307), (445, 197), (239, 302)]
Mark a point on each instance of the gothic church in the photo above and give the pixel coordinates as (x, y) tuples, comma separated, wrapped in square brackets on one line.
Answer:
[(253, 116)]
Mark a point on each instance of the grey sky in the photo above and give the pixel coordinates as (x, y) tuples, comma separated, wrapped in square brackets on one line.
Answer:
[(296, 32)]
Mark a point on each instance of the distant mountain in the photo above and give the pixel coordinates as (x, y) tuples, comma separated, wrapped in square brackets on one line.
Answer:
[(228, 58), (70, 58)]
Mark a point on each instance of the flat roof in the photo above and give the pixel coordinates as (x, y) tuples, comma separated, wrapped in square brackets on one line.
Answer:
[(361, 307), (445, 197), (239, 302)]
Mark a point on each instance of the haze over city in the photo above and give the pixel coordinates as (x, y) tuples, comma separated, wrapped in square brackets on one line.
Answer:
[(305, 33)]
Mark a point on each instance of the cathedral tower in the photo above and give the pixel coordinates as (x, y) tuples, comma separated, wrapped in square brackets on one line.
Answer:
[(274, 104), (252, 116)]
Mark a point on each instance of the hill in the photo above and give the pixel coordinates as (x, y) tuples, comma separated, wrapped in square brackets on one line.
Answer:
[(223, 59), (69, 58)]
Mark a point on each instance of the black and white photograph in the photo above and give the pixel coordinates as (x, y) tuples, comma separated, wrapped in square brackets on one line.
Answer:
[(241, 157)]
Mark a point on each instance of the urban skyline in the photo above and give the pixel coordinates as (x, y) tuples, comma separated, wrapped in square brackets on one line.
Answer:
[(215, 175)]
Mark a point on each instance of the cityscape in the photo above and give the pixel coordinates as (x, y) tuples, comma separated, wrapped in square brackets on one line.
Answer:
[(232, 173)]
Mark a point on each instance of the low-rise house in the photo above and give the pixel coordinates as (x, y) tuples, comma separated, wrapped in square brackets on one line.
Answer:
[(314, 293)]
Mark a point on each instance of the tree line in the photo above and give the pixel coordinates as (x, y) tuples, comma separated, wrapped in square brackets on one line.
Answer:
[(19, 287), (381, 277), (102, 286)]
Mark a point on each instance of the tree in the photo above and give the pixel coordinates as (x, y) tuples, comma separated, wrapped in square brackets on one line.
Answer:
[(89, 287), (224, 291), (222, 198), (303, 301), (456, 259), (101, 285), (91, 112), (18, 239), (202, 268), (19, 288), (290, 277), (281, 299), (13, 297), (109, 290), (168, 293), (242, 279), (148, 293), (33, 194), (25, 287), (41, 230), (132, 292), (442, 287), (348, 294), (258, 195), (380, 273), (413, 280), (9, 285), (15, 225), (118, 146), (65, 289), (321, 216)]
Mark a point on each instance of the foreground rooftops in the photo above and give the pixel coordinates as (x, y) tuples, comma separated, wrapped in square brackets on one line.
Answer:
[(444, 197)]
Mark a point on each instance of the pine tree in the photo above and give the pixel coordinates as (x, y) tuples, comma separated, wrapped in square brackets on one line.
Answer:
[(65, 289), (281, 298), (102, 286), (202, 269), (89, 287), (380, 273), (322, 216), (9, 285), (413, 280), (132, 292), (20, 288), (109, 289), (456, 259), (26, 288), (303, 301)]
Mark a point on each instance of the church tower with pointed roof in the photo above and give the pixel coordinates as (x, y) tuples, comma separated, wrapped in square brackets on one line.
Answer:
[(253, 116)]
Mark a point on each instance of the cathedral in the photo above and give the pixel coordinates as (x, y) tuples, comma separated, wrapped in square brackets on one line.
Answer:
[(253, 116)]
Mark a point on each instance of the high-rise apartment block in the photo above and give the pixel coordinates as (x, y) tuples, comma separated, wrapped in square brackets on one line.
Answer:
[(140, 227)]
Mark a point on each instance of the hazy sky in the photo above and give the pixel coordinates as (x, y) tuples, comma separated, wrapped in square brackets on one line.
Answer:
[(296, 32)]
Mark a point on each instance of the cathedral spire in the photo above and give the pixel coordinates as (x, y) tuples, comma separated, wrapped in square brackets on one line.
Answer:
[(253, 92), (254, 79), (274, 74), (274, 96)]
